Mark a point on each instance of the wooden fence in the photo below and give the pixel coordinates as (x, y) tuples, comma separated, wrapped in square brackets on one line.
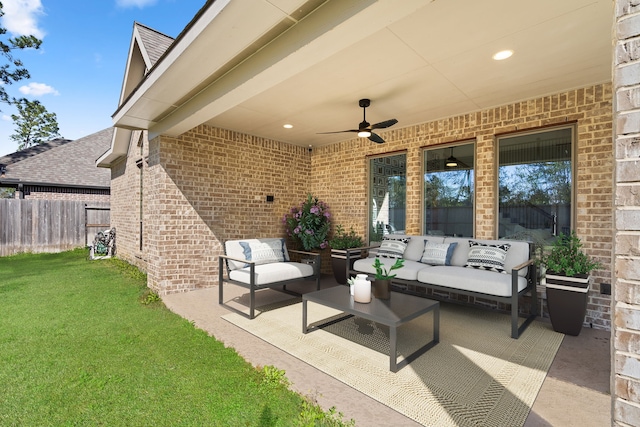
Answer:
[(49, 225)]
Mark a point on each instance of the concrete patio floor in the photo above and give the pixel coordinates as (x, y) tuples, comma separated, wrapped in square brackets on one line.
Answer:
[(575, 392)]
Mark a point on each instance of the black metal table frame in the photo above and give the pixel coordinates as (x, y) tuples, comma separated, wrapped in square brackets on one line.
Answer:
[(377, 311)]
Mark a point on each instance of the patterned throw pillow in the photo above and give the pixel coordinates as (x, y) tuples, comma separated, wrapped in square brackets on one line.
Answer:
[(264, 252), (437, 253), (487, 257), (392, 248)]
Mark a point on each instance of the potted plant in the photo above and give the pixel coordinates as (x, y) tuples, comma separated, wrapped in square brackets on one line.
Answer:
[(567, 281), (341, 242), (382, 284), (308, 225)]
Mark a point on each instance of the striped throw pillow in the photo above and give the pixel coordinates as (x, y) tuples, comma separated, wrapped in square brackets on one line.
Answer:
[(392, 248)]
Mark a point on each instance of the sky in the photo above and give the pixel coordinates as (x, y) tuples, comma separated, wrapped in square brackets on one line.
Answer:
[(77, 73)]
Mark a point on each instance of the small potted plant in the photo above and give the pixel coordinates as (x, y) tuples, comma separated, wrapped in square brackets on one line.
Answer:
[(567, 281), (382, 284), (341, 242)]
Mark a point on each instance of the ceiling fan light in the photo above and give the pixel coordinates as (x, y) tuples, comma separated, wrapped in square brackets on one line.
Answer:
[(452, 162), (364, 134)]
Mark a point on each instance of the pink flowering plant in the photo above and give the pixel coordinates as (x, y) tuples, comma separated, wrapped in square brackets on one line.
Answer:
[(309, 223)]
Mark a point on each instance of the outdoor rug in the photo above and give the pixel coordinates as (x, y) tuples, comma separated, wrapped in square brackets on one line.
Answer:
[(476, 376)]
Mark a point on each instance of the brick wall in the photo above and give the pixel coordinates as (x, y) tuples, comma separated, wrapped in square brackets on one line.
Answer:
[(589, 107), (626, 329), (210, 185), (125, 203)]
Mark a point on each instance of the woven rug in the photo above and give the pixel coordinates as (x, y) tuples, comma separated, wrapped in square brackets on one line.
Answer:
[(476, 376)]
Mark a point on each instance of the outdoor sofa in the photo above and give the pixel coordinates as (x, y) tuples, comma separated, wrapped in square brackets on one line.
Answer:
[(263, 263), (497, 270)]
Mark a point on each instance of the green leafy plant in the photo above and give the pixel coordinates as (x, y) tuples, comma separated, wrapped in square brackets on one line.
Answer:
[(273, 377), (345, 240), (382, 273), (309, 223), (312, 415), (567, 257), (149, 297)]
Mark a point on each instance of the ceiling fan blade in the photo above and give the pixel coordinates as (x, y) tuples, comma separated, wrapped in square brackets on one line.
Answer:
[(338, 131), (376, 138), (385, 124)]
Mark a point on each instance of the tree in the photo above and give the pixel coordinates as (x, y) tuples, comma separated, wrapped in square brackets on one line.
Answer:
[(34, 124), (14, 70)]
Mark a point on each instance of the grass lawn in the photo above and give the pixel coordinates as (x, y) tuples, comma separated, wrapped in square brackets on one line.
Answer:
[(83, 343)]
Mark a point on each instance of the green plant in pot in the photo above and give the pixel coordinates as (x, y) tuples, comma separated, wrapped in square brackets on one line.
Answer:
[(340, 244), (382, 285), (568, 281)]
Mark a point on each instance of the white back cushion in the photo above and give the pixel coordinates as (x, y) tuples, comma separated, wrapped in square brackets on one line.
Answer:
[(260, 250)]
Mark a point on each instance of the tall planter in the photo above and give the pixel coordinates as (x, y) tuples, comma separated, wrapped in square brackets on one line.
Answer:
[(567, 298), (339, 264)]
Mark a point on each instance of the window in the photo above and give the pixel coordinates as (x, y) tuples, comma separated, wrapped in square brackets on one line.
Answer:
[(535, 187), (449, 190), (387, 195)]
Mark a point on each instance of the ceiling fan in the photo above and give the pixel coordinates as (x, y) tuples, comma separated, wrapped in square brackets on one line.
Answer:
[(364, 128)]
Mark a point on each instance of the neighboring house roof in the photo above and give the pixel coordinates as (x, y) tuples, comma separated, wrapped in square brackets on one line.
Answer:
[(60, 163), (32, 151)]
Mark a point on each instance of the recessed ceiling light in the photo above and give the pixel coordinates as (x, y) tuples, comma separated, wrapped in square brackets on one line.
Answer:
[(287, 126), (503, 54)]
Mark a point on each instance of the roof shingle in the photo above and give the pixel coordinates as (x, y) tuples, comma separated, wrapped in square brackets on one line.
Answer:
[(62, 162)]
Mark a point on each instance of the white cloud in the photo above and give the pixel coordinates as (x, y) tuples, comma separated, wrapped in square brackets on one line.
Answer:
[(6, 118), (38, 89), (135, 3), (21, 17)]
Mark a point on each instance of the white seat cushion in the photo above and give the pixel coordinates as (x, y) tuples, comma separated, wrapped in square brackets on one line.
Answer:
[(274, 272), (470, 279)]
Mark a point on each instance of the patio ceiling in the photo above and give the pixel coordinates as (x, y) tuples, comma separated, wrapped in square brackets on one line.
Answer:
[(254, 67)]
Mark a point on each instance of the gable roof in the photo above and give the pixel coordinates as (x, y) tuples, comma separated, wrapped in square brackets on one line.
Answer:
[(146, 48), (60, 163), (153, 43)]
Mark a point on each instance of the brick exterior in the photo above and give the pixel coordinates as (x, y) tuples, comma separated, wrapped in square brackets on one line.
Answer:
[(200, 189), (625, 366), (590, 108), (126, 202)]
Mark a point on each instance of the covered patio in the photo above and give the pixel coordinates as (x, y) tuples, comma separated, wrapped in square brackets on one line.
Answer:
[(201, 155)]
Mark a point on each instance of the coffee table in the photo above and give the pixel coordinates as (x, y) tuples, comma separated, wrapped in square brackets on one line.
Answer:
[(397, 310)]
